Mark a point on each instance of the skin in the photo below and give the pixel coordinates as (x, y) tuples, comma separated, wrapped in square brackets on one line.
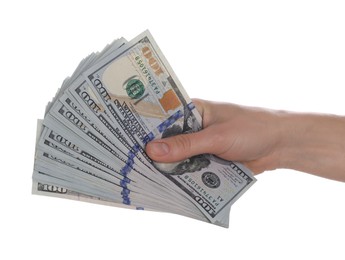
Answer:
[(262, 139)]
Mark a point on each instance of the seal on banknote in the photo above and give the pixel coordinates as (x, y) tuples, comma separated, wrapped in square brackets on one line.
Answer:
[(210, 179), (135, 88)]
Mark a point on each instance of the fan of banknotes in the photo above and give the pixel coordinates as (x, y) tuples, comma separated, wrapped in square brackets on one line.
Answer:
[(91, 143)]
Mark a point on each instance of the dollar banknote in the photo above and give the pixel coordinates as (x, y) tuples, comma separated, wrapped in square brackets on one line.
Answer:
[(93, 137)]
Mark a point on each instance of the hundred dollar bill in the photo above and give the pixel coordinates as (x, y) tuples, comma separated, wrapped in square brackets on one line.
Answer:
[(50, 173), (85, 64), (97, 127), (115, 129), (85, 96), (151, 187), (138, 88), (46, 189), (62, 192), (81, 127), (64, 177), (61, 148)]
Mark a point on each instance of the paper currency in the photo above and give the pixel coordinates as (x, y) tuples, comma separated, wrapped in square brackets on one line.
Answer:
[(91, 143)]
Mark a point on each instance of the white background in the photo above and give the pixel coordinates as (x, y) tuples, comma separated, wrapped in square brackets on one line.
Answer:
[(278, 54)]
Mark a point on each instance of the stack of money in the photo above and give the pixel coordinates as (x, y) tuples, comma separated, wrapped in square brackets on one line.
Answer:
[(91, 143)]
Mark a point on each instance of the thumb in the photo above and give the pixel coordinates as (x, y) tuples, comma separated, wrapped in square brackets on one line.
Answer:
[(179, 147)]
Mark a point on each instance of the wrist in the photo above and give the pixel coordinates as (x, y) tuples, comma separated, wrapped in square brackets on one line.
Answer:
[(310, 142), (293, 128)]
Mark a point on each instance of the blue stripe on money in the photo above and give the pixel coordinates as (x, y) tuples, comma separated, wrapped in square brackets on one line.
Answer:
[(126, 201), (191, 106), (130, 162), (125, 192), (131, 154), (149, 137), (168, 122), (172, 119), (124, 182), (125, 171), (136, 148), (125, 198)]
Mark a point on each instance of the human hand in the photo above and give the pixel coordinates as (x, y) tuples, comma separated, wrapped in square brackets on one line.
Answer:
[(232, 132)]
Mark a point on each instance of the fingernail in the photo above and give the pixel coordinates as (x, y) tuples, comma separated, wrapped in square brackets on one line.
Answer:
[(158, 148)]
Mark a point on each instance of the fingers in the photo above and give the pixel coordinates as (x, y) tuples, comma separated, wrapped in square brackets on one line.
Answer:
[(200, 105), (203, 108), (178, 147)]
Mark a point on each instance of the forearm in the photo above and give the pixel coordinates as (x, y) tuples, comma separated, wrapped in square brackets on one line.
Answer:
[(313, 143)]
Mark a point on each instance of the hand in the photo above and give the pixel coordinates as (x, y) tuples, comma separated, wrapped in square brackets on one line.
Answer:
[(232, 132), (262, 140)]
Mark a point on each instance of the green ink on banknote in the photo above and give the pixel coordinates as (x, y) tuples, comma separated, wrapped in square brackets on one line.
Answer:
[(135, 88)]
